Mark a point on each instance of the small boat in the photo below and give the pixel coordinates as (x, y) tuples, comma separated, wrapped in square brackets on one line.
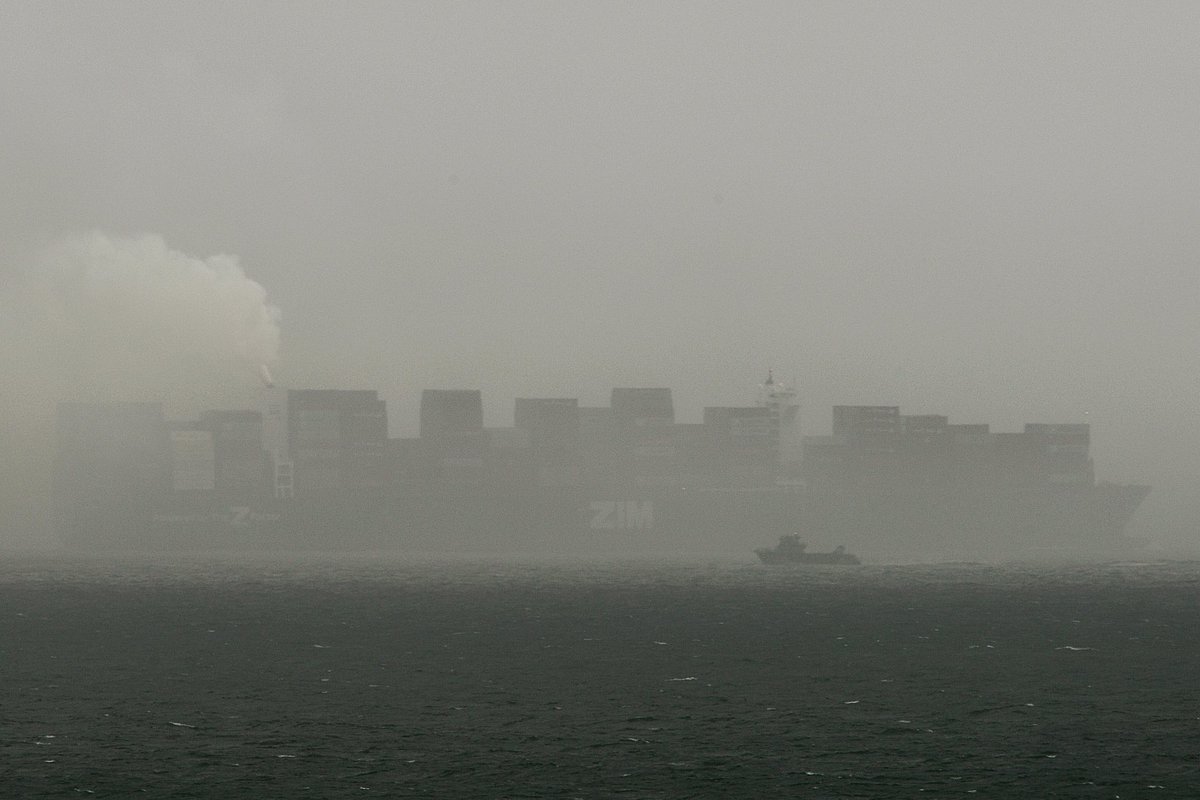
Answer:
[(791, 550)]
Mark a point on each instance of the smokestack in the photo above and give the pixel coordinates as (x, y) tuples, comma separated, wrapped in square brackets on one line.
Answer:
[(265, 373)]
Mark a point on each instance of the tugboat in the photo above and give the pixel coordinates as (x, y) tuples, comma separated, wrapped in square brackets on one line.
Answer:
[(791, 550)]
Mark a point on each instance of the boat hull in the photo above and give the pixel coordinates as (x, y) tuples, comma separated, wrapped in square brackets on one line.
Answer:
[(775, 558)]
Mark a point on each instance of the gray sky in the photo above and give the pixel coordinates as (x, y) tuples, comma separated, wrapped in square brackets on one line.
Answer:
[(987, 210)]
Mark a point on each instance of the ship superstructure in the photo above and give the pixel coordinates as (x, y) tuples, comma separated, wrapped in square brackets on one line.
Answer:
[(780, 400)]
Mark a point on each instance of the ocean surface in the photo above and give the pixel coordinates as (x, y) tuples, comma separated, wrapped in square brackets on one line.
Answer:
[(359, 677)]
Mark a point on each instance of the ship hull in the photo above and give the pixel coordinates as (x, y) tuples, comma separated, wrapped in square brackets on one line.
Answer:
[(994, 524), (881, 527)]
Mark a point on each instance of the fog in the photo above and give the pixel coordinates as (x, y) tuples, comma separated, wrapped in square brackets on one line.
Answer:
[(982, 210)]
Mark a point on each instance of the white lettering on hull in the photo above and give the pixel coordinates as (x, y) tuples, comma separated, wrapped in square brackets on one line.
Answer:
[(623, 515)]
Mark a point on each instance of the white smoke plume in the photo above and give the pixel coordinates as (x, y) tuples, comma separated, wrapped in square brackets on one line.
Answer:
[(133, 293), (130, 318)]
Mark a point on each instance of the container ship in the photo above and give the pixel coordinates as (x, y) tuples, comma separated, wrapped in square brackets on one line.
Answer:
[(315, 470)]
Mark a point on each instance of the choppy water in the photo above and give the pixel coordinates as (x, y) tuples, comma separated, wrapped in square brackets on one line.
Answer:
[(358, 678)]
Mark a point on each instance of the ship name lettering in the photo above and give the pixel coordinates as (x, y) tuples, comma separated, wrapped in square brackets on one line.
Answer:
[(608, 515)]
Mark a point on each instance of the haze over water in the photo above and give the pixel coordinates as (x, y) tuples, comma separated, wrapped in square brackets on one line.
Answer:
[(981, 210)]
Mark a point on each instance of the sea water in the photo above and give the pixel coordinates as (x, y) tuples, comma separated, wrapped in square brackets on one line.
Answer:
[(360, 677)]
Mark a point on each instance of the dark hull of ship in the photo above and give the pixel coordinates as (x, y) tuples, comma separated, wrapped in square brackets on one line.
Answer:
[(882, 527), (776, 558)]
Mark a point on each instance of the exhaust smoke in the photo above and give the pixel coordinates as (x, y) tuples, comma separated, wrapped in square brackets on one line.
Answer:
[(132, 315)]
